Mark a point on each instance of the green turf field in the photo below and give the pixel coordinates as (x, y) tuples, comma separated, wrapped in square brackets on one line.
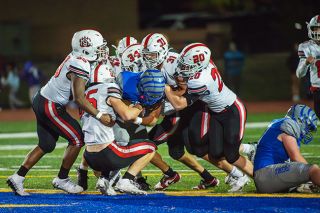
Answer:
[(13, 151)]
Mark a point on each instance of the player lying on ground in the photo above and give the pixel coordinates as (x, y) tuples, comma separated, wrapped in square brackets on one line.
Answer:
[(279, 164)]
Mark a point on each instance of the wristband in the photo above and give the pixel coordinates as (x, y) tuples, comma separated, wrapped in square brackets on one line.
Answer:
[(99, 115), (138, 121)]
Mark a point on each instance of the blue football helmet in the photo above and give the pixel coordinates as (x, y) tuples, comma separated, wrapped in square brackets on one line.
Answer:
[(151, 87), (307, 120)]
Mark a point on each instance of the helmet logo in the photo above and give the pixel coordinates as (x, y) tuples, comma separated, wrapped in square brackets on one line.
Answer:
[(162, 42), (85, 42)]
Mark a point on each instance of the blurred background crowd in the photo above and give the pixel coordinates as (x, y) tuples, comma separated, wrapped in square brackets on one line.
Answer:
[(253, 42)]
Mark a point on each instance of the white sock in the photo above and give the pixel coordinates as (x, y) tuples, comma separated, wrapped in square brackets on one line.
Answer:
[(235, 172), (83, 167), (246, 148)]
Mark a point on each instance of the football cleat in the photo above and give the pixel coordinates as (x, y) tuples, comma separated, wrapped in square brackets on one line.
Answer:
[(308, 187), (82, 178), (114, 177), (253, 151), (166, 181), (15, 182), (207, 184), (142, 182), (66, 185), (129, 187), (237, 183), (105, 187)]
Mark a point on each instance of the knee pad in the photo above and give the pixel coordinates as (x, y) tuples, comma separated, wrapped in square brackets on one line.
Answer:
[(176, 154), (232, 157), (47, 147)]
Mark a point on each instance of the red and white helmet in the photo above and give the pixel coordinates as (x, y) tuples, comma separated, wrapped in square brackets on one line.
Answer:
[(131, 59), (103, 73), (193, 58), (155, 49), (123, 44), (313, 25), (90, 45)]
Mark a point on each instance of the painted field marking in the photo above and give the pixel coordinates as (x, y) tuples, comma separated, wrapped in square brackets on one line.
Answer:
[(209, 193), (27, 205)]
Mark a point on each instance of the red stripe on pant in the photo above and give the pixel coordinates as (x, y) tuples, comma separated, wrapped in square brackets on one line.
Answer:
[(118, 150), (160, 137), (205, 124), (75, 132), (242, 114), (65, 131)]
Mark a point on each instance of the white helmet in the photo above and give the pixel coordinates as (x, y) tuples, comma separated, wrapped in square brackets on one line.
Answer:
[(131, 59), (155, 49), (103, 73), (193, 58), (90, 45), (314, 23), (123, 44)]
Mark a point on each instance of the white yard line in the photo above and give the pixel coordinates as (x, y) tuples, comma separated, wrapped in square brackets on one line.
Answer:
[(251, 125)]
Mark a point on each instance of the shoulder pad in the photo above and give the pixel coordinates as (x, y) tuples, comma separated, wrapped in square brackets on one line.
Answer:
[(291, 127)]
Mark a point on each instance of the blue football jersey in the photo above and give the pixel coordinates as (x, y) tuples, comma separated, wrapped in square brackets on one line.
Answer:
[(128, 81), (270, 150)]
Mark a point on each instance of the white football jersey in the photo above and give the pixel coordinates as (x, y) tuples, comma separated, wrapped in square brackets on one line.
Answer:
[(211, 89), (116, 64), (169, 70), (58, 89), (94, 131), (309, 48)]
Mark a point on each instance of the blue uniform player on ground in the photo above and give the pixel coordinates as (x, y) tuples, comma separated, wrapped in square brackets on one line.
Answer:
[(279, 164)]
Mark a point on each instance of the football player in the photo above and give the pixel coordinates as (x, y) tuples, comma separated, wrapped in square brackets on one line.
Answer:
[(281, 141), (119, 49), (88, 47), (156, 55), (227, 112), (102, 152), (309, 54)]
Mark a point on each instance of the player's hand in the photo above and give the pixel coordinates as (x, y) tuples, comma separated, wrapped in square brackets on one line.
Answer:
[(107, 120), (310, 60)]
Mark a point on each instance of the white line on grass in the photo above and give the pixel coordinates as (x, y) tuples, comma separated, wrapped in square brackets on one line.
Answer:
[(250, 125), (26, 147)]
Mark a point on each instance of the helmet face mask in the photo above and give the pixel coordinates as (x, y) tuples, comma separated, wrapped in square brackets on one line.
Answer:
[(185, 70), (90, 45), (306, 119), (314, 28)]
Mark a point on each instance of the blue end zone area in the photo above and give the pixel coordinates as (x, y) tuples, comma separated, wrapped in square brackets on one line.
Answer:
[(153, 203)]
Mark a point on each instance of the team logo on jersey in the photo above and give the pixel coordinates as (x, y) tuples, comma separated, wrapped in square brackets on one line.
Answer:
[(85, 42)]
